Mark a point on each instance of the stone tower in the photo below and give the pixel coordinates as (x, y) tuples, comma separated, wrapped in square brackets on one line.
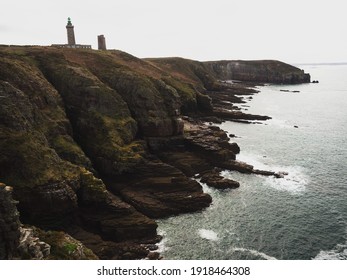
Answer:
[(101, 42), (70, 33)]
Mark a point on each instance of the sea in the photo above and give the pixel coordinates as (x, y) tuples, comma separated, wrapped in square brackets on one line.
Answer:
[(302, 216)]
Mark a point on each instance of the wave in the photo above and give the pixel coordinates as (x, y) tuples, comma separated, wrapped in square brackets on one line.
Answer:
[(253, 252), (338, 253), (208, 234), (162, 247), (295, 182)]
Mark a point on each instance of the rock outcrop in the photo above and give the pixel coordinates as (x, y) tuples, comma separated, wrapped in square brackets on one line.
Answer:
[(23, 242), (31, 247), (17, 241), (160, 190), (214, 179), (9, 224)]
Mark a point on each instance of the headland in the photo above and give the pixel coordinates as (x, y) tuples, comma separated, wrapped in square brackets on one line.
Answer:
[(98, 144)]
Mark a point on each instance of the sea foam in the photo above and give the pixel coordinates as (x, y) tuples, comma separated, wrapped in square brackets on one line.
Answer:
[(208, 234), (295, 182), (338, 253), (162, 247), (254, 252)]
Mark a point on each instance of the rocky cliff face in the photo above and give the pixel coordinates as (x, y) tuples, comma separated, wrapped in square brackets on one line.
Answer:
[(71, 117), (93, 144), (23, 242), (9, 224)]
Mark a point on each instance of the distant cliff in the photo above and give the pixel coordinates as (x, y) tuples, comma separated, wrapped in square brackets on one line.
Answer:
[(263, 71), (93, 143)]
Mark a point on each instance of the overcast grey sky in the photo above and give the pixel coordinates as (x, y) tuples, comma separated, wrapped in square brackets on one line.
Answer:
[(290, 30)]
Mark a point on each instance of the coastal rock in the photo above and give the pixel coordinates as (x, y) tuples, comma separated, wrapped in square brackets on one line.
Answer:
[(54, 204), (31, 246), (204, 102), (187, 162), (211, 119), (238, 166), (17, 241), (107, 215), (62, 246), (212, 144), (110, 250), (157, 144), (287, 90), (160, 190), (279, 174), (237, 115), (24, 242), (204, 147), (263, 172), (153, 256), (214, 179)]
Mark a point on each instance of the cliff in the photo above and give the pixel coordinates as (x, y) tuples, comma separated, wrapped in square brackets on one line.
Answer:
[(94, 144), (262, 71)]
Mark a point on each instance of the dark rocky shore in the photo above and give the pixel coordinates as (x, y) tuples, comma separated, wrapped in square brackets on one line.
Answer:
[(96, 145)]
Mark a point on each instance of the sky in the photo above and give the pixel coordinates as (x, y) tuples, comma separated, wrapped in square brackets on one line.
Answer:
[(293, 31)]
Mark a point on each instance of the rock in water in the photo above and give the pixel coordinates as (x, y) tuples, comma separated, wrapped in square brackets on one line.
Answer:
[(214, 179)]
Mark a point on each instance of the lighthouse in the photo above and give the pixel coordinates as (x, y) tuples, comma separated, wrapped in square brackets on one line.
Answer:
[(71, 42), (70, 33)]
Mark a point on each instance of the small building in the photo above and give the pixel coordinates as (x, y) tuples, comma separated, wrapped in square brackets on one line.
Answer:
[(101, 42), (71, 42)]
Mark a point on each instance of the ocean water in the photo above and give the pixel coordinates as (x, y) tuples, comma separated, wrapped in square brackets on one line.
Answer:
[(301, 216)]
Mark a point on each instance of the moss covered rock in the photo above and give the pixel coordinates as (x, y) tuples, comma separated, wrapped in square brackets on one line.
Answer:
[(64, 247)]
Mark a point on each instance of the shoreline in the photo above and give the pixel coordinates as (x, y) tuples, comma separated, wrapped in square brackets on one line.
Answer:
[(200, 127), (289, 208)]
